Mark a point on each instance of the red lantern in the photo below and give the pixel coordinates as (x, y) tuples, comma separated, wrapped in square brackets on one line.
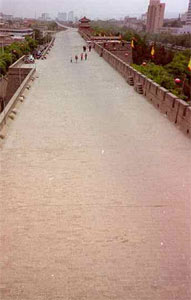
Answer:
[(177, 81), (144, 63)]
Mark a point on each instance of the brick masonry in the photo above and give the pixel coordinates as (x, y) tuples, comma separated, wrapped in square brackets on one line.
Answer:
[(15, 78), (177, 110)]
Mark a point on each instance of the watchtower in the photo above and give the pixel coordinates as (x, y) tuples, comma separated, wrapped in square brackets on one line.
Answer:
[(84, 24)]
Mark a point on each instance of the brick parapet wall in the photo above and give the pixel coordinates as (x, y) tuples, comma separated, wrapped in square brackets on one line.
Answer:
[(177, 110), (15, 77), (17, 74), (3, 87), (10, 105)]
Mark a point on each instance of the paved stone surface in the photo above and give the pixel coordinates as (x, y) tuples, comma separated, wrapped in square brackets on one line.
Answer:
[(95, 190)]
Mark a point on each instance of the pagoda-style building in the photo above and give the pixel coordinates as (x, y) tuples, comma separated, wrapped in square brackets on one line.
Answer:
[(84, 24)]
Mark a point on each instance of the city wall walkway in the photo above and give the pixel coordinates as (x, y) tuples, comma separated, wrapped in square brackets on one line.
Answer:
[(95, 189)]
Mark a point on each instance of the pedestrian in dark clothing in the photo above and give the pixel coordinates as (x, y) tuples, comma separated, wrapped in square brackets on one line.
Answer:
[(71, 60), (90, 48), (76, 58), (84, 48), (82, 56), (86, 56)]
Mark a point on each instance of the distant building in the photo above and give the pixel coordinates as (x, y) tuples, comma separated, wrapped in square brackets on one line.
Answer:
[(133, 23), (171, 30), (144, 18), (28, 22), (8, 39), (62, 16), (6, 17), (45, 17), (155, 16), (183, 17), (186, 29), (71, 16), (16, 32), (188, 20), (130, 20)]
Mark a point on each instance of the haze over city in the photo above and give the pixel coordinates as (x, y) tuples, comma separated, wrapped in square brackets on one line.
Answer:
[(92, 8)]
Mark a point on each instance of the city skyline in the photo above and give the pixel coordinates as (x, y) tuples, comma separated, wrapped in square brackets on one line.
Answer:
[(91, 8)]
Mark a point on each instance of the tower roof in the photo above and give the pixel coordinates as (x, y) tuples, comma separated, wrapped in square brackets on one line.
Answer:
[(85, 20)]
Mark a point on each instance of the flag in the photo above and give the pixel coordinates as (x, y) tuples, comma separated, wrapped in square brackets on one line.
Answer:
[(189, 65), (153, 51), (132, 44)]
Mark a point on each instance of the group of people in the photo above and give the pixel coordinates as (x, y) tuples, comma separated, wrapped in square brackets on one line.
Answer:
[(83, 55)]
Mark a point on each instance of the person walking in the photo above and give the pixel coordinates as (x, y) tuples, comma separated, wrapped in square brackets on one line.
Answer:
[(90, 48), (76, 58), (82, 56), (71, 60), (84, 48), (86, 56)]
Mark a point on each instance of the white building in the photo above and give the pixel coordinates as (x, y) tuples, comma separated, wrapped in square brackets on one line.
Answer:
[(185, 29), (71, 16), (4, 17), (45, 17), (144, 18), (176, 30), (188, 20), (62, 16), (183, 17)]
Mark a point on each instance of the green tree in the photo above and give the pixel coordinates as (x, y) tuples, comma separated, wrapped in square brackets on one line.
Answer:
[(31, 43), (179, 65)]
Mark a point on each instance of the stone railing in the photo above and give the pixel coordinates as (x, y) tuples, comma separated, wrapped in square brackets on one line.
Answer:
[(84, 35), (7, 110), (18, 78), (176, 110), (16, 75), (45, 52)]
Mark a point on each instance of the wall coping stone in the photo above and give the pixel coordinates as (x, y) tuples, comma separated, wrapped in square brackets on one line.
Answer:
[(163, 89), (10, 105), (16, 63), (169, 94)]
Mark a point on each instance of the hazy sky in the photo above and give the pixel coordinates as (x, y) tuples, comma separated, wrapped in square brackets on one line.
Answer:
[(91, 8)]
